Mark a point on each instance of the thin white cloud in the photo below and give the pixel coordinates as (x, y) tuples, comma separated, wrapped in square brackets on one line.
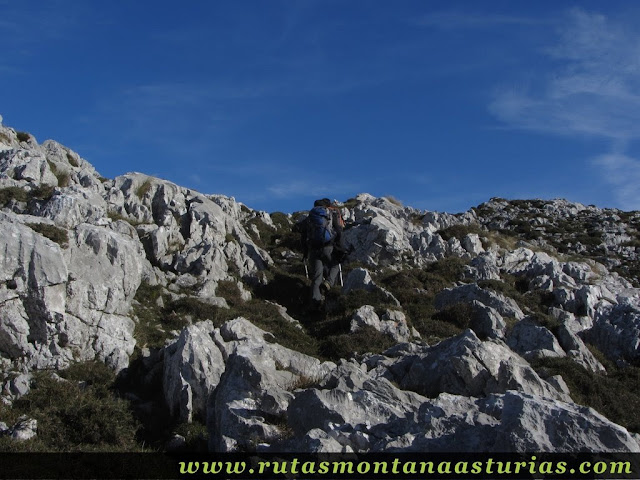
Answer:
[(299, 188), (454, 20), (591, 91), (623, 173)]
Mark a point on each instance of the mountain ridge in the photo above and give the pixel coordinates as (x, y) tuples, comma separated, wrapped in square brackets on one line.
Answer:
[(197, 303)]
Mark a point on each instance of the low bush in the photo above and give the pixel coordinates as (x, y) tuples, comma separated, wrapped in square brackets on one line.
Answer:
[(56, 234), (346, 345), (64, 179), (12, 193), (614, 395), (23, 136), (143, 189), (76, 413), (460, 231)]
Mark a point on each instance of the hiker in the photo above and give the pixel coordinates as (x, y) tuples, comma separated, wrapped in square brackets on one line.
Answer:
[(323, 247)]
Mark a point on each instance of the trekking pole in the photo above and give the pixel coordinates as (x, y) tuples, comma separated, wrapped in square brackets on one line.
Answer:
[(340, 270), (306, 269)]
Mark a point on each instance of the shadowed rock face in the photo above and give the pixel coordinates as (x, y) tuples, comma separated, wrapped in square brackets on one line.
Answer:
[(77, 250)]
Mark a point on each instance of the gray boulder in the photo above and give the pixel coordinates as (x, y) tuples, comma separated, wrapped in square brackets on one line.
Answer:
[(465, 365), (507, 307), (393, 323), (25, 429), (533, 341), (105, 271), (486, 321), (193, 365), (616, 332), (509, 422), (33, 276), (360, 279), (348, 403), (250, 401)]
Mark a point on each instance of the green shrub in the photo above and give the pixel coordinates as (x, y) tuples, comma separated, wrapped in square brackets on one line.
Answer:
[(280, 220), (80, 414), (143, 189), (23, 136), (42, 192), (196, 436), (535, 302), (261, 233), (63, 177), (56, 234), (351, 203), (459, 315), (12, 193), (614, 395), (460, 231), (265, 315), (449, 269), (72, 160), (416, 290), (345, 345), (149, 330)]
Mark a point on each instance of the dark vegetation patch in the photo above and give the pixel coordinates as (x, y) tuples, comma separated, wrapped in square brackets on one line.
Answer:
[(12, 193), (64, 179), (416, 290), (460, 231), (17, 194), (23, 136), (614, 395), (79, 412), (143, 189), (56, 234), (346, 345), (535, 303), (72, 160), (158, 315)]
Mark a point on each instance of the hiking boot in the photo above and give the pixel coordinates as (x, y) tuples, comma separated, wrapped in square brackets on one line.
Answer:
[(325, 286)]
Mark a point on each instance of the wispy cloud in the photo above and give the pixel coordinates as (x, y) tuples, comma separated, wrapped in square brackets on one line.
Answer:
[(623, 173), (591, 91), (453, 20), (306, 188)]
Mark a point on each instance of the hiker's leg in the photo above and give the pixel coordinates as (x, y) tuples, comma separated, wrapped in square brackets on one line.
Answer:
[(332, 269), (317, 275), (333, 274)]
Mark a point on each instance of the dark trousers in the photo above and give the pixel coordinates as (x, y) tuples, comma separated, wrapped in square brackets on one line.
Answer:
[(323, 268)]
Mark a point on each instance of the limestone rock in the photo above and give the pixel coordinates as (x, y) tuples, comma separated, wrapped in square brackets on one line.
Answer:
[(509, 422), (193, 365), (507, 307), (616, 332), (360, 279), (25, 429), (465, 365), (533, 341), (393, 323), (486, 322)]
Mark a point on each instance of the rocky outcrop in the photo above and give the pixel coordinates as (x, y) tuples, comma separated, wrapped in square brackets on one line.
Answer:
[(539, 282), (362, 412), (465, 365), (393, 323)]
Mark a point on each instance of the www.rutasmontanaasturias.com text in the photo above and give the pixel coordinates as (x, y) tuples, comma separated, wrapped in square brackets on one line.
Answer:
[(400, 467)]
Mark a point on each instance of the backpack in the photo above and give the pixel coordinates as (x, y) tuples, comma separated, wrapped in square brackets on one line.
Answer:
[(320, 231)]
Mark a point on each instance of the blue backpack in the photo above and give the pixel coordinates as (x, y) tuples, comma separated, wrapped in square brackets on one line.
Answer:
[(320, 227)]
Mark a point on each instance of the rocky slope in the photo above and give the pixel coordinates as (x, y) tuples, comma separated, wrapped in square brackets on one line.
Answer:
[(512, 327)]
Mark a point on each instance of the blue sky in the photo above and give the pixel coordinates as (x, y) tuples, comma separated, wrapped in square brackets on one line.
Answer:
[(441, 104)]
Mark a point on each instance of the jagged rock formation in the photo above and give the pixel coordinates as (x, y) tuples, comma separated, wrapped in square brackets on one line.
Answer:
[(171, 288)]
